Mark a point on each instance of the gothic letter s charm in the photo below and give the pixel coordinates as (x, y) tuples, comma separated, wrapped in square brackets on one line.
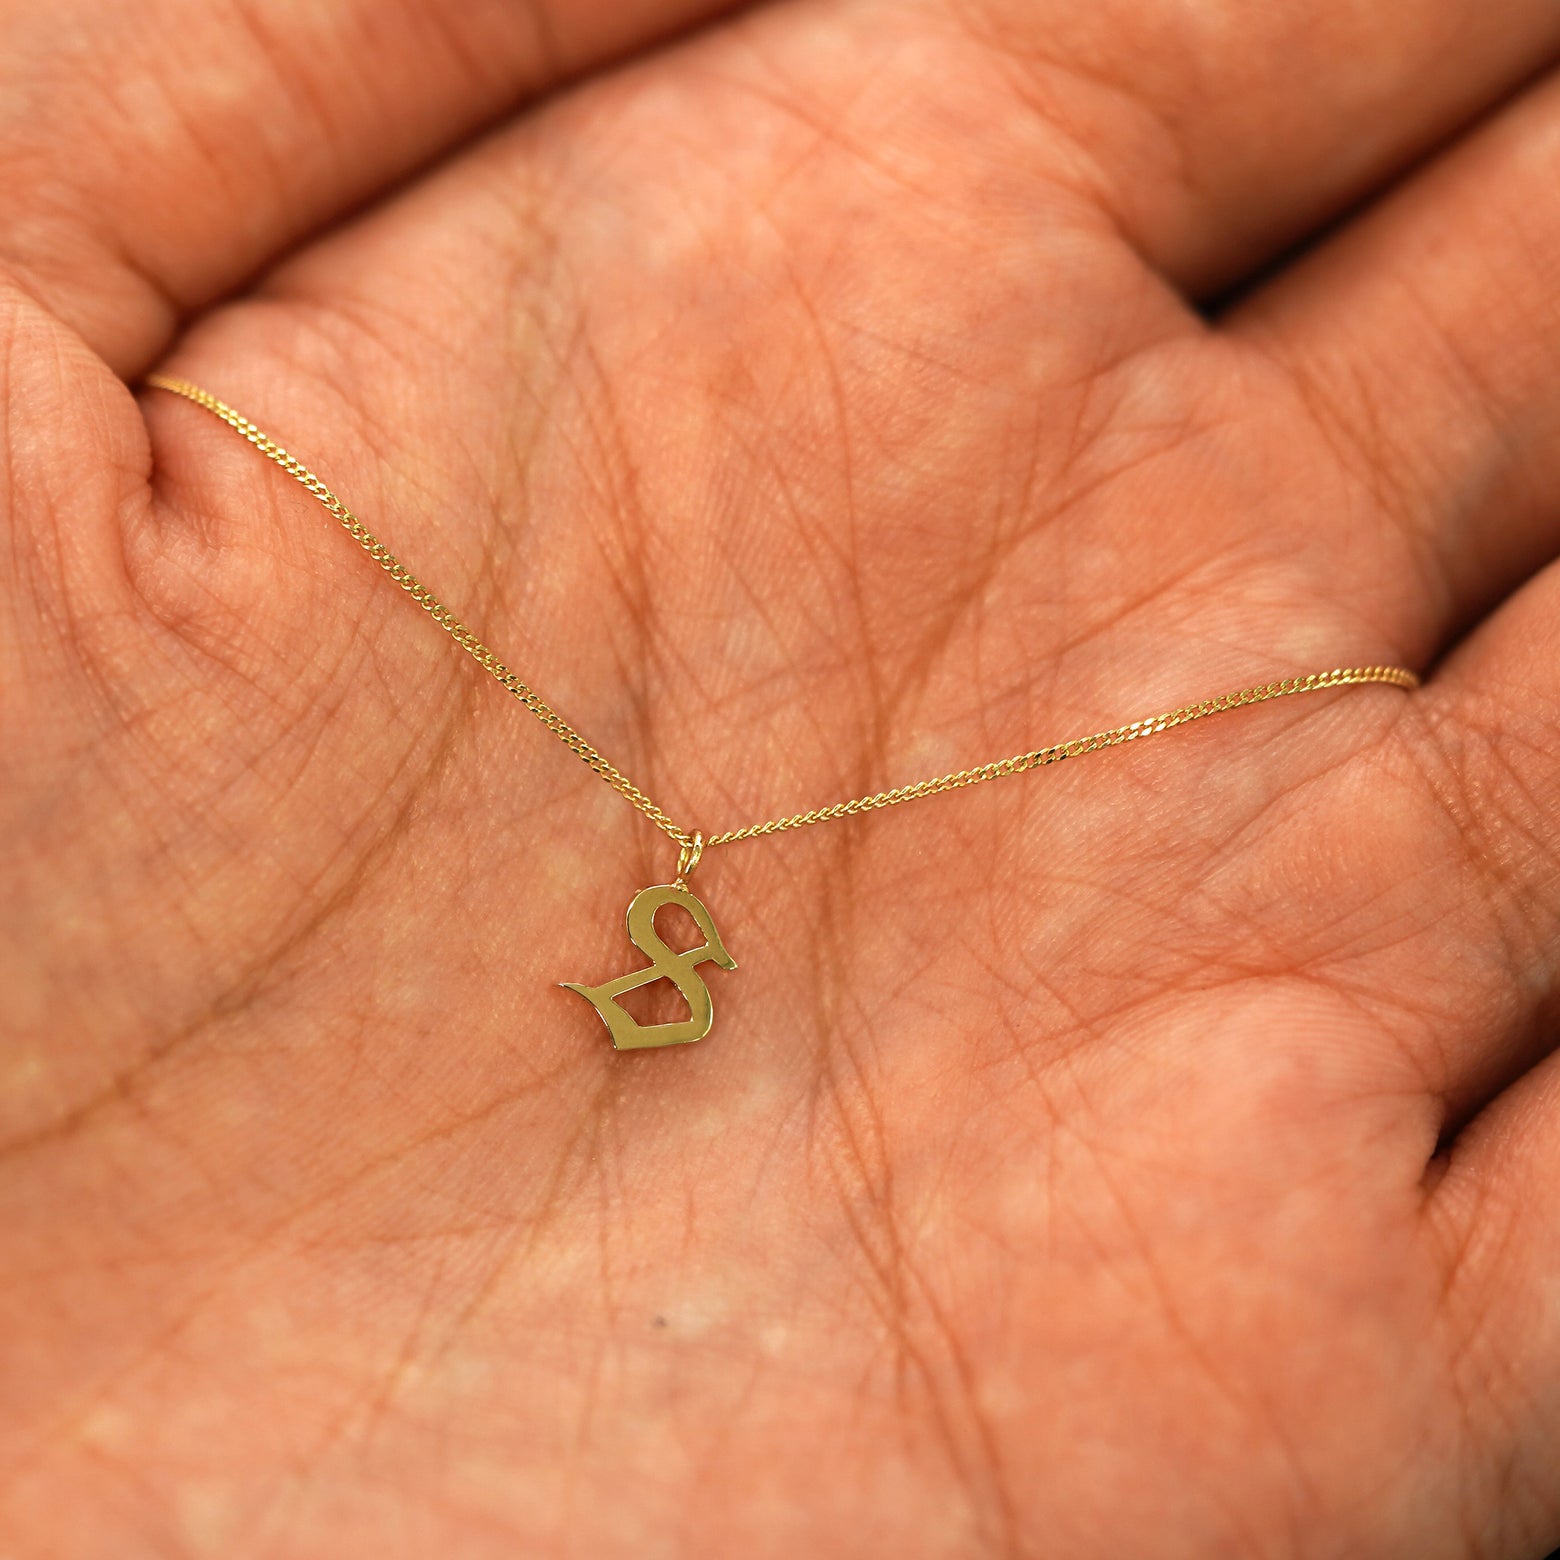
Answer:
[(628, 1034)]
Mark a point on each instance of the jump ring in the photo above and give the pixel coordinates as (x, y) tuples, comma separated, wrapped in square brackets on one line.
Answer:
[(688, 858)]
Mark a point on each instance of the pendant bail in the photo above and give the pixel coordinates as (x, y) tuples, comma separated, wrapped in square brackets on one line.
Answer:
[(688, 859)]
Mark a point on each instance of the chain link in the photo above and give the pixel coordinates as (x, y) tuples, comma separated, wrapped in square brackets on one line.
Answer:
[(690, 841), (1312, 682)]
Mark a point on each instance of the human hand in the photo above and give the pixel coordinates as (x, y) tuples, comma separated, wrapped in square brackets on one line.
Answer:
[(1159, 1152)]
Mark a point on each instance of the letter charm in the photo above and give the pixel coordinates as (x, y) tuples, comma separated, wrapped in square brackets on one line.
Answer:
[(628, 1034)]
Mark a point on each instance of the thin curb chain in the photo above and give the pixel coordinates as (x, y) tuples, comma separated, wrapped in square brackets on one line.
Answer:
[(690, 841)]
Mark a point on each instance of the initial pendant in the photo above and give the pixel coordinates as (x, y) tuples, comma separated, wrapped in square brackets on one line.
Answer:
[(628, 1034)]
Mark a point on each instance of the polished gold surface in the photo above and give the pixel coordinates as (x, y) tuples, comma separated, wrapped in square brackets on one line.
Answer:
[(680, 968), (628, 1034), (1184, 715), (690, 841), (430, 603)]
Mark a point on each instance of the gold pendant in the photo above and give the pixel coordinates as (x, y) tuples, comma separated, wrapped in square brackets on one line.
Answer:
[(628, 1034)]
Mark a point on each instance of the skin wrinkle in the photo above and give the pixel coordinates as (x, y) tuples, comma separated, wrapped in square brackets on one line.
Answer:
[(18, 276), (999, 557), (573, 1165), (875, 732), (1351, 439), (526, 282), (1092, 1027), (109, 1467), (544, 40), (360, 1420), (910, 351), (987, 1479), (711, 1464), (67, 1425), (843, 1010), (589, 469), (1121, 993), (1230, 841), (303, 101), (1287, 798), (164, 308), (629, 676), (1194, 1349), (1382, 933), (607, 1184), (1156, 594), (637, 668), (62, 613), (811, 538), (828, 134), (354, 327), (168, 306), (847, 1076), (981, 25), (167, 818), (757, 607), (1503, 1483), (1452, 785), (1024, 1048), (309, 1210), (888, 1298), (1164, 153), (973, 593), (261, 974), (997, 1504), (503, 78)]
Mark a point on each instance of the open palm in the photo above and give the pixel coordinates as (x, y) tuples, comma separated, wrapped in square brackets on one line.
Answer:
[(1158, 1154)]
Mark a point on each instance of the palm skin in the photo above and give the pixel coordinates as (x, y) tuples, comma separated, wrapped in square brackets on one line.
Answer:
[(1144, 1153)]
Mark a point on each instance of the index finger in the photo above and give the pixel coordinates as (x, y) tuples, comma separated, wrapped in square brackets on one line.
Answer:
[(154, 156), (1217, 134)]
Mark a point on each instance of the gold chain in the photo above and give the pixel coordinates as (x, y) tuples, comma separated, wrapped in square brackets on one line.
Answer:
[(691, 841)]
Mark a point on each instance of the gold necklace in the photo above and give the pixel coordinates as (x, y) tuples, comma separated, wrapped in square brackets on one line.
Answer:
[(681, 967)]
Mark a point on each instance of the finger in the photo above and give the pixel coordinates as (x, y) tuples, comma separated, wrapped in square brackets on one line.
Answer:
[(1218, 134), (74, 464), (828, 295), (1420, 343), (1493, 1211), (1423, 341), (1472, 799), (152, 156)]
